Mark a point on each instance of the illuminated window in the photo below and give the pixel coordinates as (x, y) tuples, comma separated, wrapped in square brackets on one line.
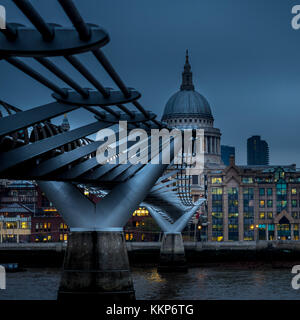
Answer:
[(216, 180), (261, 215), (270, 192), (294, 191), (262, 203), (65, 237), (131, 237), (127, 236), (61, 237), (49, 238), (247, 180), (294, 203), (10, 225), (270, 215), (24, 225), (141, 212), (261, 191), (143, 237), (217, 191)]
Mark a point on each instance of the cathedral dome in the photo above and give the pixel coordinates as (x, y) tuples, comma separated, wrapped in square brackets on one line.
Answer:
[(187, 102)]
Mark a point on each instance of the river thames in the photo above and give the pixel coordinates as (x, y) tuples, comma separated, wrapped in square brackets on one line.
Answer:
[(241, 282)]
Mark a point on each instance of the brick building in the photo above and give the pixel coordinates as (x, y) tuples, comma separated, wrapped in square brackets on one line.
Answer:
[(253, 203)]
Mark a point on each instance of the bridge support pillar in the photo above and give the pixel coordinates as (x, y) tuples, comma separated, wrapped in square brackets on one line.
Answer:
[(172, 254), (96, 267)]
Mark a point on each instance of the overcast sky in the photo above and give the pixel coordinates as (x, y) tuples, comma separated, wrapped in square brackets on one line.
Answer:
[(244, 54)]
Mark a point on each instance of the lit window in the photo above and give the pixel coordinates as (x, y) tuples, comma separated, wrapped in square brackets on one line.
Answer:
[(261, 215), (65, 237), (294, 191), (262, 203), (216, 180), (270, 215), (24, 225), (218, 191), (294, 203), (247, 180)]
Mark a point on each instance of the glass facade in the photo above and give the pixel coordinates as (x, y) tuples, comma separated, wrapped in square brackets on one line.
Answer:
[(248, 199), (217, 214), (233, 214)]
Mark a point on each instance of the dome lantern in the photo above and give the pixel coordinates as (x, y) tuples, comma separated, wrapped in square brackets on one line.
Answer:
[(187, 102)]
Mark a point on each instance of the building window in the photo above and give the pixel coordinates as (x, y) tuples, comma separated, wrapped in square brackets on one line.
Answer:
[(281, 191), (216, 180), (295, 214), (247, 180), (10, 225), (217, 191), (25, 225), (270, 192), (262, 203), (294, 191), (270, 215), (270, 203), (294, 203), (261, 215), (233, 214), (141, 212), (195, 179), (261, 191)]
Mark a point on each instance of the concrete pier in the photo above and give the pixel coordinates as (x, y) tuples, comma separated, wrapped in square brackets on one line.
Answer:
[(96, 266), (172, 255)]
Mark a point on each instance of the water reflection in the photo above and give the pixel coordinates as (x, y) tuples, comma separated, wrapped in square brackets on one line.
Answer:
[(218, 282)]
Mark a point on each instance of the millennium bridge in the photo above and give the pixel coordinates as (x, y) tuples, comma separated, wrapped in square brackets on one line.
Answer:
[(32, 147)]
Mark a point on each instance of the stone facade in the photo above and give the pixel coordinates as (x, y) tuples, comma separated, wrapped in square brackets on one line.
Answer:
[(247, 203)]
